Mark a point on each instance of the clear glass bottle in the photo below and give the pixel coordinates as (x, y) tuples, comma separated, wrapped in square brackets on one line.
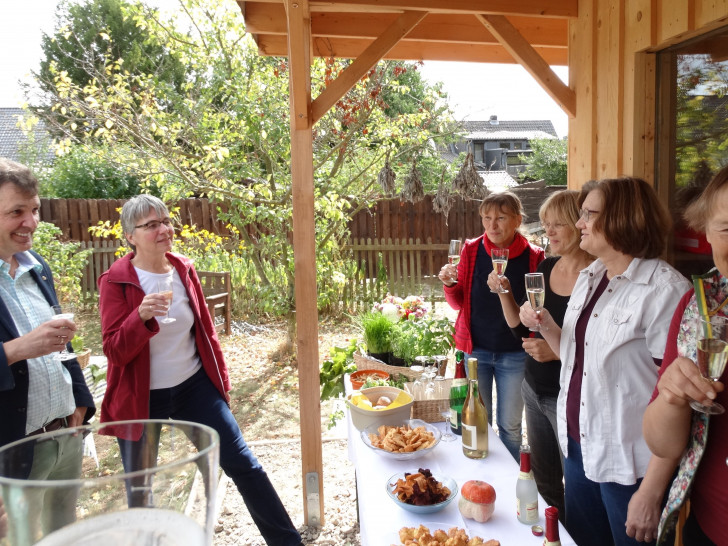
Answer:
[(474, 417), (526, 490), (458, 393), (552, 527)]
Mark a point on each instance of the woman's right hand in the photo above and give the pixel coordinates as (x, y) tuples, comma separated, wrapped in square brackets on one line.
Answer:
[(496, 283), (530, 318), (682, 382), (448, 274), (153, 305)]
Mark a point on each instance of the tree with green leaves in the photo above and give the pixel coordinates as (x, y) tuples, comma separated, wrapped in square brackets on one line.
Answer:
[(224, 134), (547, 162)]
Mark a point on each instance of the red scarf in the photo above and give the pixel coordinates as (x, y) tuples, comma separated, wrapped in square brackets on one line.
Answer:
[(516, 248)]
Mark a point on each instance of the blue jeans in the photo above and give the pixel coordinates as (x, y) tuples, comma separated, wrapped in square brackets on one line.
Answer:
[(547, 461), (507, 370), (197, 400), (595, 512)]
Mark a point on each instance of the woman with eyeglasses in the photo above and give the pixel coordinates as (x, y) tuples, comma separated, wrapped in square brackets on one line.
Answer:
[(671, 427), (611, 346), (173, 370), (480, 328), (540, 387)]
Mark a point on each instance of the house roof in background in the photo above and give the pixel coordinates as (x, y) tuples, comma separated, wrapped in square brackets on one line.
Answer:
[(497, 181), (495, 129), (12, 137)]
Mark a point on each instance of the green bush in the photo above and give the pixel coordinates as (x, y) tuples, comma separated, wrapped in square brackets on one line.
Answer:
[(84, 174), (66, 259)]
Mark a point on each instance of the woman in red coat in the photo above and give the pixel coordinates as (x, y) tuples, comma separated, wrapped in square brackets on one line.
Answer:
[(173, 370)]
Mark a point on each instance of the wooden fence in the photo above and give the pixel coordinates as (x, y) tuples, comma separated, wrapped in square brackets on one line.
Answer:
[(394, 266), (408, 240)]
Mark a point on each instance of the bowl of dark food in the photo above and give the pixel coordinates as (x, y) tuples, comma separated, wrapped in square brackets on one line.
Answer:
[(420, 492)]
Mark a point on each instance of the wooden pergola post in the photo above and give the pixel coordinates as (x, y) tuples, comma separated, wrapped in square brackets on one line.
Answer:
[(304, 252)]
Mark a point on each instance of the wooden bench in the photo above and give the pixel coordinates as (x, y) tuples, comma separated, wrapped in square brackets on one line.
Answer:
[(216, 288)]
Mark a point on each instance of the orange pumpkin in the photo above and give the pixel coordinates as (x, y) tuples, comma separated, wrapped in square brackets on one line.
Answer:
[(477, 500)]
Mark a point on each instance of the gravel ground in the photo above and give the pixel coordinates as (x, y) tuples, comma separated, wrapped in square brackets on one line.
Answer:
[(261, 371), (282, 462)]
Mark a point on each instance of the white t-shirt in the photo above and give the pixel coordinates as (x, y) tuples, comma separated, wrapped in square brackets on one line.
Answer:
[(173, 353)]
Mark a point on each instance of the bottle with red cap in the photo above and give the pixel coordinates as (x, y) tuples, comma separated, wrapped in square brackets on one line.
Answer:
[(526, 490), (552, 527)]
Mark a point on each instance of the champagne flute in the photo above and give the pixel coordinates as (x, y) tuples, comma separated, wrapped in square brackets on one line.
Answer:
[(536, 290), (164, 288), (499, 256), (64, 312), (453, 255), (712, 355), (445, 412)]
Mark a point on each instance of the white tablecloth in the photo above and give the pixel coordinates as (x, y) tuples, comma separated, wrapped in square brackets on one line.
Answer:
[(380, 519)]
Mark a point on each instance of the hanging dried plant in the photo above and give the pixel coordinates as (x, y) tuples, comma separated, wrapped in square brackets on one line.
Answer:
[(387, 178), (468, 182), (443, 198), (413, 190)]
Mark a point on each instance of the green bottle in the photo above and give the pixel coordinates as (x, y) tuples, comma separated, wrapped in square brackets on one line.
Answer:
[(458, 392)]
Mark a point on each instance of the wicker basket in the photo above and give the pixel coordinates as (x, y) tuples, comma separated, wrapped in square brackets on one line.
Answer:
[(83, 358), (429, 410), (366, 362)]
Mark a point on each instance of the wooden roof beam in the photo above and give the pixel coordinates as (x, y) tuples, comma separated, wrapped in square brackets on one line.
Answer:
[(458, 28), (540, 8), (408, 50), (527, 57), (364, 63)]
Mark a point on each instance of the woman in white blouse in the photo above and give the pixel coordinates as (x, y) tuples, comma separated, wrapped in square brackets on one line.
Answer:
[(611, 346)]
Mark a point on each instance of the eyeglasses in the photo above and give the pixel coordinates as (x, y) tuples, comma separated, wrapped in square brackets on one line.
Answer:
[(153, 225), (586, 214), (548, 225)]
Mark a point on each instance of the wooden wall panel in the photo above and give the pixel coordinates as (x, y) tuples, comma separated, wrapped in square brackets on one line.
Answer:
[(674, 17), (707, 12), (582, 78)]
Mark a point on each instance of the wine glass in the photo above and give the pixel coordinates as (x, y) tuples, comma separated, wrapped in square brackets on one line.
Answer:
[(712, 355), (536, 290), (164, 287), (499, 256), (453, 255), (445, 412), (64, 312)]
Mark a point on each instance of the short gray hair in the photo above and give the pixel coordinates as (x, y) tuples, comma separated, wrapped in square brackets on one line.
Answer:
[(137, 208), (18, 174)]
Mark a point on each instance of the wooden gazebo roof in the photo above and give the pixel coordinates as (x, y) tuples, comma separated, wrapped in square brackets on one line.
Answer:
[(533, 33)]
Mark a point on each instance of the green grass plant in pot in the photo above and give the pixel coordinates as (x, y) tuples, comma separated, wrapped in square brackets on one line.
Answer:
[(377, 332), (405, 342)]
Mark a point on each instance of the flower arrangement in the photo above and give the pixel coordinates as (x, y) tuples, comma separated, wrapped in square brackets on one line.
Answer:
[(396, 308)]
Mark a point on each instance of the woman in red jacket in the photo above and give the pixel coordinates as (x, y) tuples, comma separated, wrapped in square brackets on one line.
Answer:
[(173, 370), (481, 330)]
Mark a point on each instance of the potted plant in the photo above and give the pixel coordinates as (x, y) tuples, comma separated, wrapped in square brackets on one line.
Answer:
[(405, 339), (377, 334)]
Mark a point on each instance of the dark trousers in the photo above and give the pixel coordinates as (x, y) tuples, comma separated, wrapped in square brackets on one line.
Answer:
[(197, 400)]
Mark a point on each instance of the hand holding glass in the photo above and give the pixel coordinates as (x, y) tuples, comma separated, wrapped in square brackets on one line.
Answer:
[(65, 312), (453, 256), (712, 355), (499, 256), (164, 288), (536, 291)]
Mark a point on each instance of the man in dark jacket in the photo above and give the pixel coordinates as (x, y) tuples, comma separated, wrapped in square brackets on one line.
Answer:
[(38, 391)]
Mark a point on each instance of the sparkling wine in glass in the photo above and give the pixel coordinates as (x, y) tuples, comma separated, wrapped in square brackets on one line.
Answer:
[(453, 255), (64, 312), (536, 291), (164, 288), (499, 256), (712, 355)]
